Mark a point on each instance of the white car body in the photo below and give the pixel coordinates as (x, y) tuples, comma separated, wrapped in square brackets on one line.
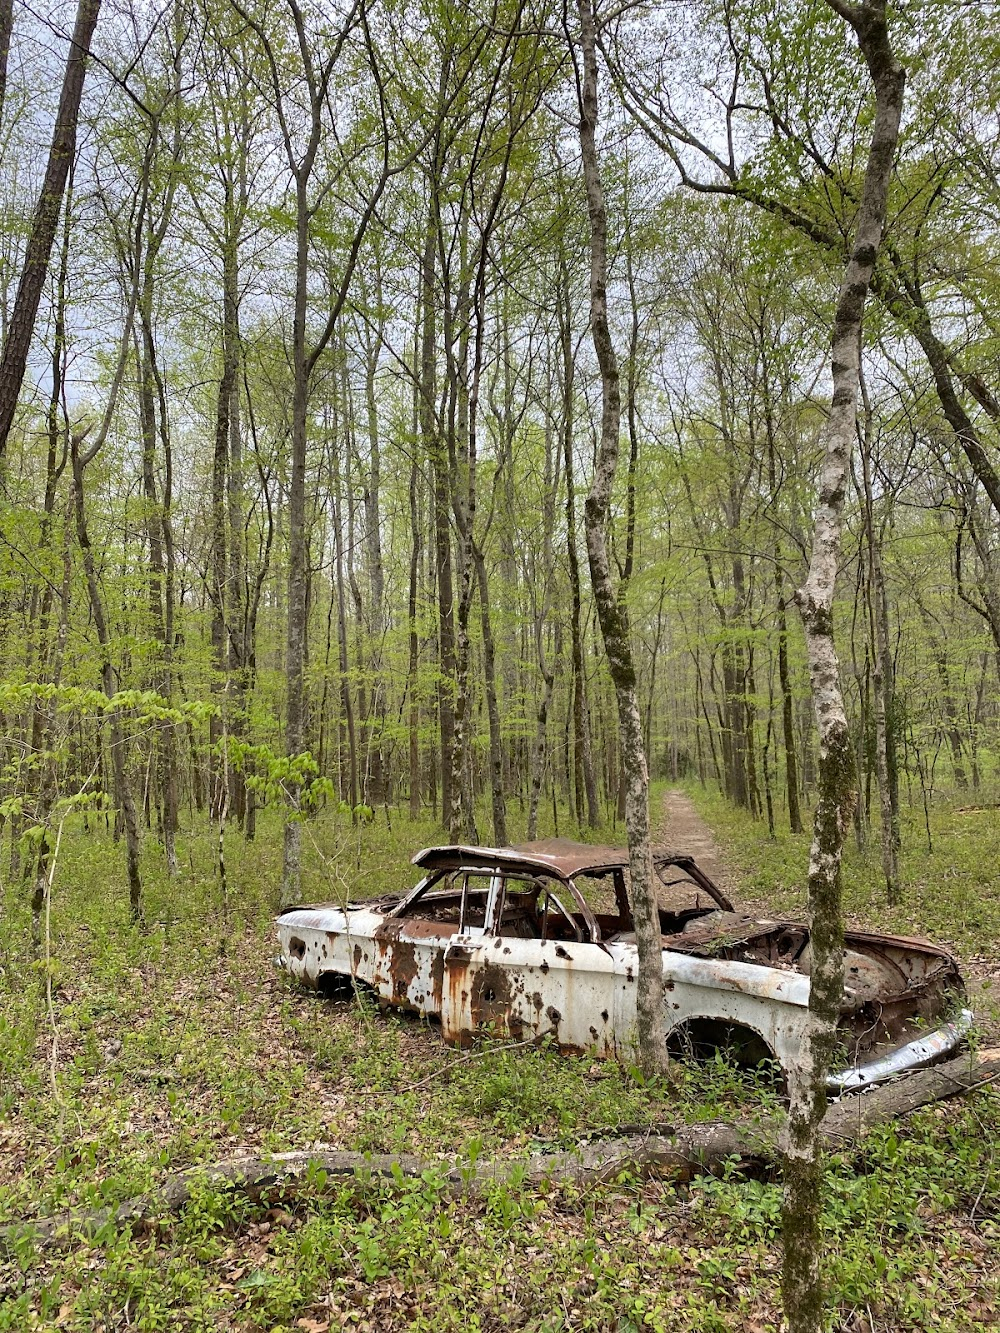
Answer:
[(512, 945)]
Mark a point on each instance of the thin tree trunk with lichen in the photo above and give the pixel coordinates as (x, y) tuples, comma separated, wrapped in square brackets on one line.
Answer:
[(611, 613), (883, 682), (583, 763), (802, 1285)]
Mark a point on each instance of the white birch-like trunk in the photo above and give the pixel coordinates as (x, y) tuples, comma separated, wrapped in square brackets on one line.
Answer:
[(802, 1286)]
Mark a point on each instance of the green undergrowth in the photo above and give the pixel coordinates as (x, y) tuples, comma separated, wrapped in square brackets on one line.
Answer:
[(133, 1053)]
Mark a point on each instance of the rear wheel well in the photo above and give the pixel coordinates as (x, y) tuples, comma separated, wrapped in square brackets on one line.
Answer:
[(701, 1038)]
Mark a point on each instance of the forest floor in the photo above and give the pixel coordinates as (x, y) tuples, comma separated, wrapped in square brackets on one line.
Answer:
[(133, 1054)]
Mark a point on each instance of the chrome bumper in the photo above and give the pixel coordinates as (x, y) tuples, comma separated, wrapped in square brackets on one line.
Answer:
[(916, 1054)]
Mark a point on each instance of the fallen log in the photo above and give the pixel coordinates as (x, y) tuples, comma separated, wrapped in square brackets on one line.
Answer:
[(690, 1151), (680, 1154), (849, 1118)]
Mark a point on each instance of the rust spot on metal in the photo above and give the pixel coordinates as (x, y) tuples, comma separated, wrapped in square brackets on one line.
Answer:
[(553, 1015), (561, 953), (437, 975), (403, 967), (358, 955), (491, 997)]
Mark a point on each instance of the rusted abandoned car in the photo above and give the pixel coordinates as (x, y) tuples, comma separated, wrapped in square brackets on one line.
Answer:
[(537, 940)]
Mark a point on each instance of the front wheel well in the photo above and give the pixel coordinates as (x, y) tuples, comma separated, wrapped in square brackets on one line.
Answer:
[(341, 986)]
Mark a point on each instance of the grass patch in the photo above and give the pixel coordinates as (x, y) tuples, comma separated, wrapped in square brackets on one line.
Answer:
[(180, 1044)]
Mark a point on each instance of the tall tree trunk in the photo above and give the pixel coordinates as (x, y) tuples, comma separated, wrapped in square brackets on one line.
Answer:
[(787, 716), (462, 486), (48, 662), (802, 1285), (376, 571), (157, 573), (434, 451), (44, 748), (784, 677), (498, 801), (291, 881), (44, 224), (6, 32), (611, 613), (583, 752), (349, 783), (416, 542), (542, 582), (55, 463), (361, 744), (883, 678), (236, 610), (220, 514), (123, 787)]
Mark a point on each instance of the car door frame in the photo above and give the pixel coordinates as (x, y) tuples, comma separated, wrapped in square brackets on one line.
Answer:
[(531, 988)]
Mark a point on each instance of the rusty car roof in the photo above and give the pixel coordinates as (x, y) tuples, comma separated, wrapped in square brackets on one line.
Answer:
[(562, 858), (555, 856)]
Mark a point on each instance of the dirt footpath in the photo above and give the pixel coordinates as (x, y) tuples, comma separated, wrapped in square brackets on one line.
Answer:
[(683, 830)]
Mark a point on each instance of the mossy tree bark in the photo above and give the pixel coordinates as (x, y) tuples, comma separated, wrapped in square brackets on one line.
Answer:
[(611, 612), (802, 1286)]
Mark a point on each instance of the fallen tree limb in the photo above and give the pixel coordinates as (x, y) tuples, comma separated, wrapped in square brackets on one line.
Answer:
[(680, 1154)]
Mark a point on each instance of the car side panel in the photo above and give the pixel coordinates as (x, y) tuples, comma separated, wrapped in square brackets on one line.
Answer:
[(402, 961), (771, 1003), (582, 995), (315, 940), (409, 963), (529, 988)]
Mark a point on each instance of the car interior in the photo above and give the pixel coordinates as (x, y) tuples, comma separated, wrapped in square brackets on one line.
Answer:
[(531, 907), (679, 900), (538, 907)]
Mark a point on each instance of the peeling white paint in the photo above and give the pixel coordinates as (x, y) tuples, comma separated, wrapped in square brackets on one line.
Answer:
[(582, 992)]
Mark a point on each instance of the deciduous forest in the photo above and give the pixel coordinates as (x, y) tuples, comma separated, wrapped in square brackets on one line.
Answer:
[(432, 423)]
